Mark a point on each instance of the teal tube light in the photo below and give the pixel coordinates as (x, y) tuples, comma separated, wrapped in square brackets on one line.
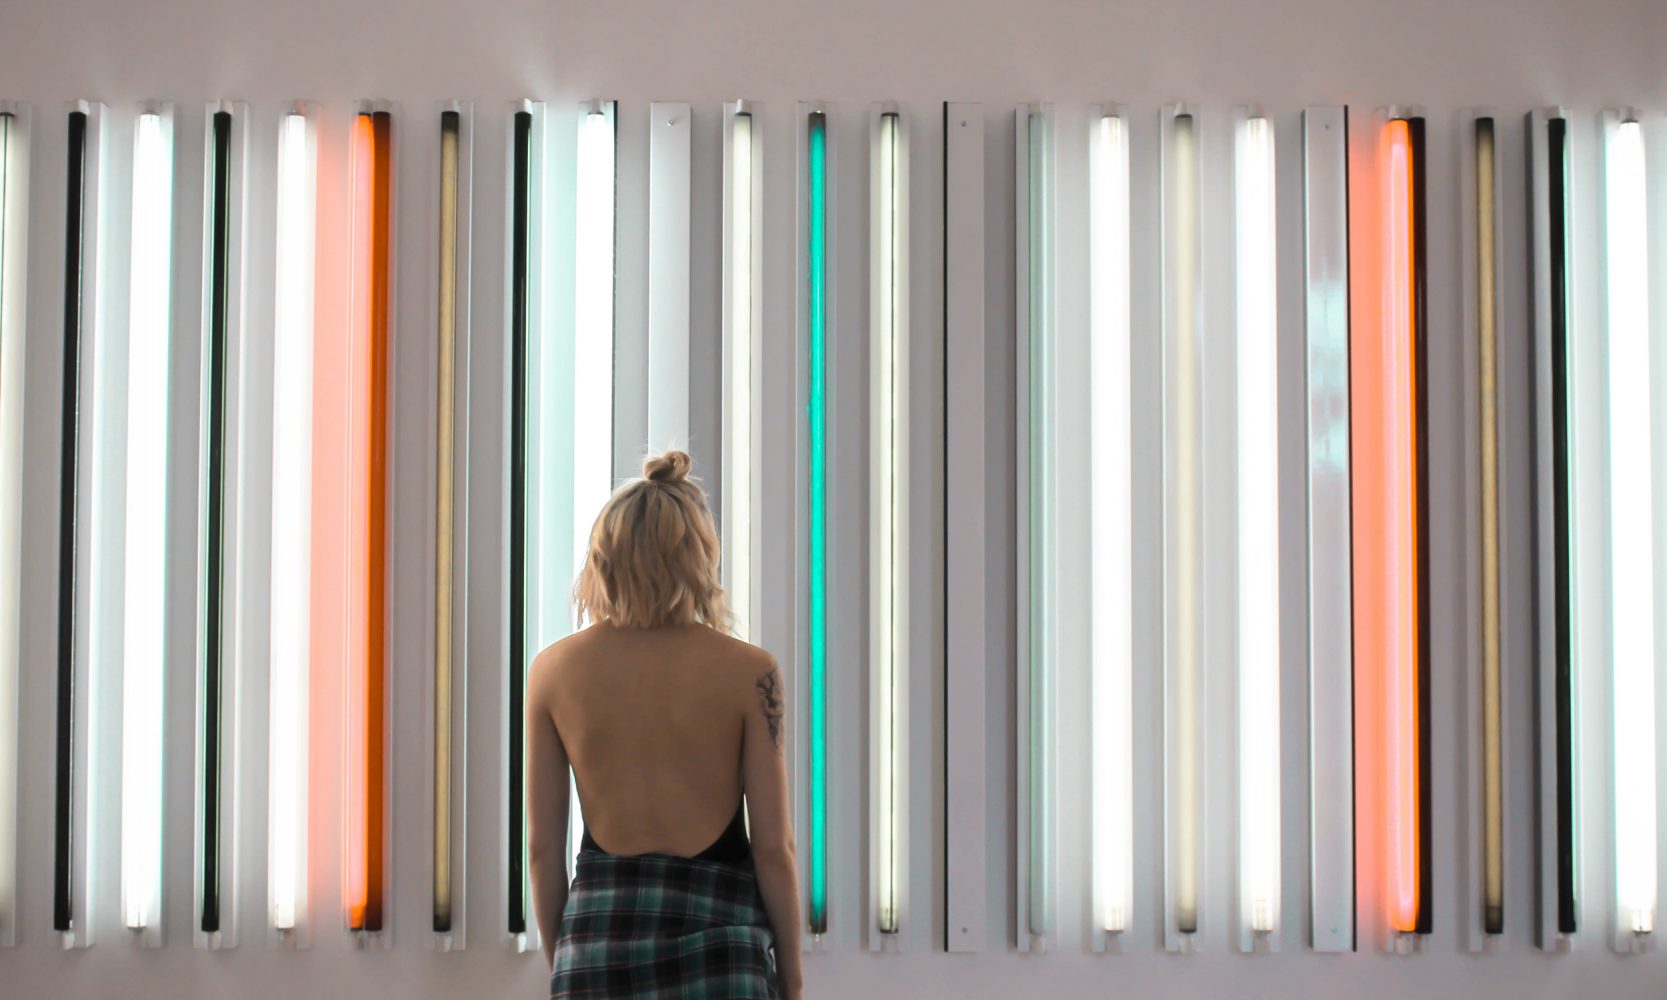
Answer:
[(816, 409)]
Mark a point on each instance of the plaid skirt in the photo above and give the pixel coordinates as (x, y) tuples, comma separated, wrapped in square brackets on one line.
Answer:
[(658, 927)]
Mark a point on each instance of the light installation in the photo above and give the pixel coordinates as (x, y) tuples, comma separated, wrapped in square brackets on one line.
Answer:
[(1330, 589), (292, 594), (593, 347), (64, 742), (669, 194), (14, 183), (1390, 521), (1631, 481), (1552, 278), (367, 695), (519, 652), (450, 543), (218, 645), (816, 409), (82, 463), (1112, 525), (145, 530), (889, 456), (1258, 528), (1183, 523), (742, 378), (1034, 165), (1487, 344)]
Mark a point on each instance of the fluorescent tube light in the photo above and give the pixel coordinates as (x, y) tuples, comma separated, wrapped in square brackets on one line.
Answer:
[(889, 457), (14, 185), (1258, 528), (1631, 526), (1112, 526), (816, 260), (146, 523), (292, 537)]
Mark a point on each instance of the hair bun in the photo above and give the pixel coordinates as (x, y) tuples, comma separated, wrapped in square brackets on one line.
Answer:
[(672, 467)]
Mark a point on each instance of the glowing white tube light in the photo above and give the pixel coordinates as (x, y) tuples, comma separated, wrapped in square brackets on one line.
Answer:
[(1112, 584), (741, 384), (889, 455), (1183, 528), (593, 345), (1258, 482), (668, 275), (146, 530), (593, 337), (13, 244), (292, 472), (1631, 527)]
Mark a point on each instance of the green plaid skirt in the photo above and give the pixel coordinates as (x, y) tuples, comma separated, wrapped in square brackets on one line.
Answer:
[(658, 927)]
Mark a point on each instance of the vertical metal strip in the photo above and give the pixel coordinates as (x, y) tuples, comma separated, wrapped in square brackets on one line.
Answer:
[(1325, 132), (1550, 281), (966, 526)]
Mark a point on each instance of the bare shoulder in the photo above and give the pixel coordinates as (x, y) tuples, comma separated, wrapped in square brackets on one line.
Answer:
[(756, 680), (742, 660), (557, 659)]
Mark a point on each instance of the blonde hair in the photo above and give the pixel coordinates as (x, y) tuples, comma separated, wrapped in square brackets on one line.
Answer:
[(653, 558)]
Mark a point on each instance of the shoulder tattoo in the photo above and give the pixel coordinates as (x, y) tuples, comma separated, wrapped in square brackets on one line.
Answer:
[(769, 702)]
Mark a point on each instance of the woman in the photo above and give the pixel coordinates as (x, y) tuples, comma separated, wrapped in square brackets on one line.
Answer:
[(668, 722)]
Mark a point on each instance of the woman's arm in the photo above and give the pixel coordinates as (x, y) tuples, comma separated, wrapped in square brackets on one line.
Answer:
[(547, 792), (770, 823)]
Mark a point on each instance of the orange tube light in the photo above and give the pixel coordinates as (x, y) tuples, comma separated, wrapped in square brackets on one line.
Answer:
[(1401, 525), (1389, 519), (367, 562)]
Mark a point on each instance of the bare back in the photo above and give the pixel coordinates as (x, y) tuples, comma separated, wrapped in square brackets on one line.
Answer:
[(654, 724)]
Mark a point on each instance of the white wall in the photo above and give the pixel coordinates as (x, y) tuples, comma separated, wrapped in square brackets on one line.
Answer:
[(1512, 56)]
